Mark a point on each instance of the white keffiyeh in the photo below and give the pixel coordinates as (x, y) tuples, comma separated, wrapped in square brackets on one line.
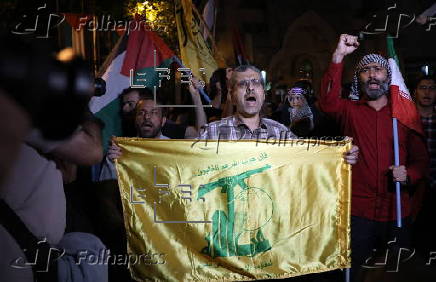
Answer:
[(368, 59)]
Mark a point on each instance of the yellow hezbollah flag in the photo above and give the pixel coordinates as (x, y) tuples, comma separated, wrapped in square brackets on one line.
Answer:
[(195, 54), (234, 210)]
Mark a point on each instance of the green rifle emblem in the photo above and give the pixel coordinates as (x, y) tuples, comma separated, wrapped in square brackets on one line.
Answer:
[(223, 240)]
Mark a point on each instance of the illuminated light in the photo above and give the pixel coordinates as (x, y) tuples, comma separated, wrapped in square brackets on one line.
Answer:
[(263, 75), (151, 11), (159, 16), (140, 7), (65, 55), (424, 69)]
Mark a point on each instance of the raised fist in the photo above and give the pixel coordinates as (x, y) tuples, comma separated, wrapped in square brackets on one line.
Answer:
[(346, 45)]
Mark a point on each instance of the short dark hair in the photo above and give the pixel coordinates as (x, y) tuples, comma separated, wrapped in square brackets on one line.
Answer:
[(142, 92), (243, 68), (150, 97), (425, 77)]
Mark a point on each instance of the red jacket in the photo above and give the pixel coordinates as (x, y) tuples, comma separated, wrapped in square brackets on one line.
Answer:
[(373, 191)]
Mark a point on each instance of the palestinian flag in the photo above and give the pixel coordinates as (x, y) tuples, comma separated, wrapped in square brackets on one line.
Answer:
[(134, 51), (403, 107)]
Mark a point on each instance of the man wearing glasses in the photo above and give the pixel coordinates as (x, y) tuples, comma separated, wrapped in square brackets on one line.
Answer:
[(248, 94)]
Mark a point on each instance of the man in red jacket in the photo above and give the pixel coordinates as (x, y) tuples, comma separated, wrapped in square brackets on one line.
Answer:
[(369, 121)]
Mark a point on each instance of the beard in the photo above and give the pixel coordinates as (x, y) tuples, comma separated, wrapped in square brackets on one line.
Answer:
[(151, 131), (374, 94)]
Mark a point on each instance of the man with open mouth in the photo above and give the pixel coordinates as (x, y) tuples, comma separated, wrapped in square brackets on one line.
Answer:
[(149, 120), (368, 119), (248, 94)]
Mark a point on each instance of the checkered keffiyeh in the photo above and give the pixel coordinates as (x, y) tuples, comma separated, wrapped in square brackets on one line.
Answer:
[(304, 111), (368, 59)]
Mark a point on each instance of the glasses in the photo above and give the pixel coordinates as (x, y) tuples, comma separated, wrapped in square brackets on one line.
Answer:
[(376, 69), (246, 83), (425, 87)]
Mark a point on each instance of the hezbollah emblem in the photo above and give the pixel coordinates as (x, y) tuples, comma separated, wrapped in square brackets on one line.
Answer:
[(244, 219)]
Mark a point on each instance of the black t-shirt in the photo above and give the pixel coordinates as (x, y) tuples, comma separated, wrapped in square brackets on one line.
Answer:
[(174, 131)]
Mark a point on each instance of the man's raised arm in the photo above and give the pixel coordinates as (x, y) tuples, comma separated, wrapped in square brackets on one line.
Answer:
[(331, 84)]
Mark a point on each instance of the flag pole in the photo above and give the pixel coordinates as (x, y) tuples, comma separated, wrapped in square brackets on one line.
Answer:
[(206, 27), (201, 90), (390, 45), (347, 275), (397, 163), (215, 12)]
